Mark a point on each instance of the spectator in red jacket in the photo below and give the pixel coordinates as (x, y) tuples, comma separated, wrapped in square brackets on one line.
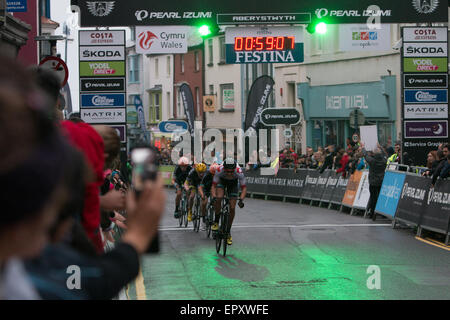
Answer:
[(343, 164), (90, 143)]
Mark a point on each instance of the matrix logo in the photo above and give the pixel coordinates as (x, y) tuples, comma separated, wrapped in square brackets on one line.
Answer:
[(146, 39), (425, 6), (100, 8)]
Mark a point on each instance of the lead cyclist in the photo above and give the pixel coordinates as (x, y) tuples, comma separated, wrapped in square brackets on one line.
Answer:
[(227, 177)]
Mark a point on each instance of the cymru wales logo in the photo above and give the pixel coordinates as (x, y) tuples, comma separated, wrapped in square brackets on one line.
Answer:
[(146, 39), (100, 8)]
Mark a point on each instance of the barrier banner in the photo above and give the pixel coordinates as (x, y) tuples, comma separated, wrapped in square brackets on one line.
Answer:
[(294, 182), (255, 182), (352, 189), (321, 184), (412, 200), (277, 184), (339, 190), (363, 194), (390, 193), (437, 207), (166, 174), (332, 181), (312, 176)]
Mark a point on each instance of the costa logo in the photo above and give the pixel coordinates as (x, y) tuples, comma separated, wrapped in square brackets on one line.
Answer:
[(145, 39), (425, 32), (102, 35)]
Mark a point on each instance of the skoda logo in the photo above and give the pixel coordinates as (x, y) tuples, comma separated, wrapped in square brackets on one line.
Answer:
[(100, 8), (321, 13), (425, 6)]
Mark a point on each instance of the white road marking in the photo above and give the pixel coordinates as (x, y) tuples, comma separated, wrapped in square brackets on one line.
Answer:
[(253, 226)]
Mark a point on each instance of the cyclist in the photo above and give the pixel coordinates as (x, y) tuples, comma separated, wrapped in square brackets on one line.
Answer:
[(205, 190), (179, 177), (192, 183), (227, 177)]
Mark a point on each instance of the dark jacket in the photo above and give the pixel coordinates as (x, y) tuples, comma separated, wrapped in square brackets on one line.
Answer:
[(377, 167), (437, 172), (328, 163), (101, 277)]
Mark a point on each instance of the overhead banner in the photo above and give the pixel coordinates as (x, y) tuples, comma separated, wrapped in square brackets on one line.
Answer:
[(188, 103), (359, 37), (172, 12), (257, 101), (161, 40), (390, 193)]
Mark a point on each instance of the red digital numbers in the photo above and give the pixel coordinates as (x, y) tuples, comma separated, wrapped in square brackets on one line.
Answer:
[(264, 43)]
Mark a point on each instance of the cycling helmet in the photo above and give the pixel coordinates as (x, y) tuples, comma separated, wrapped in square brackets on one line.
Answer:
[(229, 164), (213, 168), (200, 167), (183, 161)]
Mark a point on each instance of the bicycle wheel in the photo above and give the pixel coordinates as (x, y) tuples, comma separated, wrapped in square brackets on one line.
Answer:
[(185, 212), (209, 220), (225, 231), (196, 215), (219, 235), (181, 213)]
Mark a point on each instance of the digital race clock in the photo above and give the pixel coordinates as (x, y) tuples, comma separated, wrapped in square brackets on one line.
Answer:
[(264, 43)]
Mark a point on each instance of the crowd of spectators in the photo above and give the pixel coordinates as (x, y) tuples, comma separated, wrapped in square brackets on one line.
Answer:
[(62, 195), (346, 160)]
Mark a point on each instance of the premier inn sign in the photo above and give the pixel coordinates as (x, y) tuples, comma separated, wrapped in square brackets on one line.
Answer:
[(175, 12)]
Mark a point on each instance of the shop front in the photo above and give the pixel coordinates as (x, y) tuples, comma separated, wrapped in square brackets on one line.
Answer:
[(327, 110)]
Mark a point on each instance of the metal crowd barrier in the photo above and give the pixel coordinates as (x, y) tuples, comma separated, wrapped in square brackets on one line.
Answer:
[(405, 196)]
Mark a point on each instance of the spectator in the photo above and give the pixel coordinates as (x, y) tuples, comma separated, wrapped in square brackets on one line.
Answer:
[(343, 163), (328, 162), (377, 164), (396, 157), (432, 163), (441, 165), (32, 162)]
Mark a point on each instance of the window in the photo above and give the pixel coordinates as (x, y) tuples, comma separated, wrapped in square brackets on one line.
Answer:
[(155, 107), (133, 33), (169, 103), (211, 89), (210, 51), (168, 66), (182, 63), (197, 61), (133, 62), (131, 98), (156, 68), (227, 96), (197, 97), (222, 49), (179, 106)]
